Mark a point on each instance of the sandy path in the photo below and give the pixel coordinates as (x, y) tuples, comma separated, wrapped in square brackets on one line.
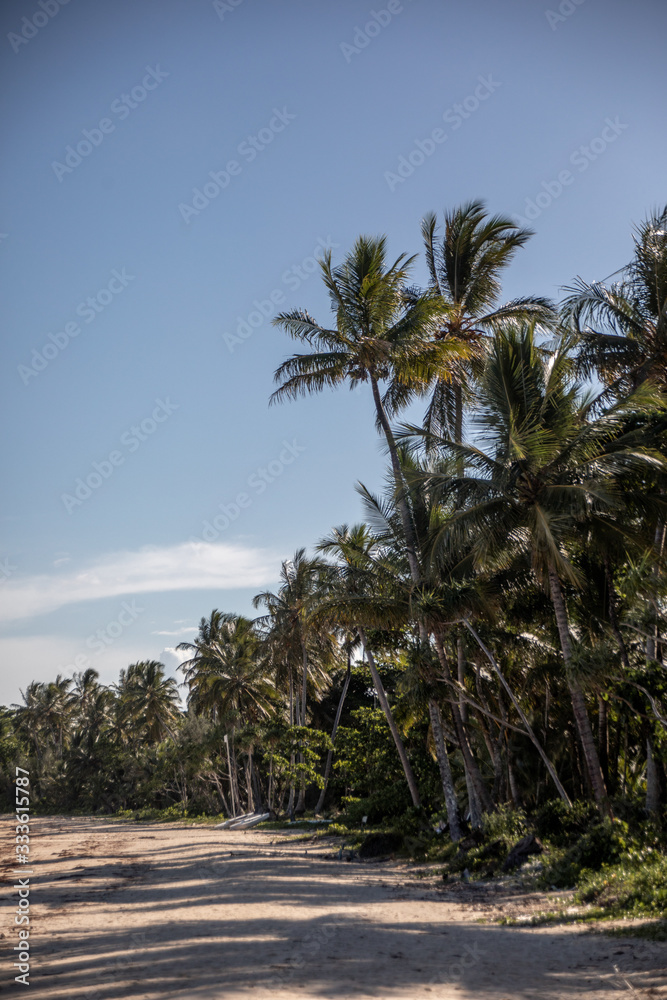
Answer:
[(122, 910)]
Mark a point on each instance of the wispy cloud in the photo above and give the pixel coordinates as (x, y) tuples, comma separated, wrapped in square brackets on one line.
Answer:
[(178, 631), (189, 566)]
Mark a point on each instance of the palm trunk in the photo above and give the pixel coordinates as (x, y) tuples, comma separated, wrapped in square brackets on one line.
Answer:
[(304, 682), (451, 803), (458, 424), (536, 743), (581, 719), (250, 804), (301, 803), (231, 780), (384, 704), (603, 737), (408, 529), (461, 674), (653, 644), (290, 802), (652, 782), (514, 788), (477, 790), (339, 712)]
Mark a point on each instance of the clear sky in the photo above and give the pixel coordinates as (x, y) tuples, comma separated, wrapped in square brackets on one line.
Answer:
[(138, 352)]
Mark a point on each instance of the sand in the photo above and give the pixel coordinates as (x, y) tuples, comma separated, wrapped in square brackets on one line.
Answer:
[(182, 911)]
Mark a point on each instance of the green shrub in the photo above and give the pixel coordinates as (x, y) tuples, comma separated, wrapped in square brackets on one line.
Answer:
[(636, 886), (558, 824), (603, 843), (388, 802), (506, 824)]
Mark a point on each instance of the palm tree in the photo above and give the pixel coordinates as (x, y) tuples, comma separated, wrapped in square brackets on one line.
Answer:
[(353, 599), (622, 329), (384, 333), (298, 642), (150, 699), (225, 675), (294, 637), (548, 473), (464, 267)]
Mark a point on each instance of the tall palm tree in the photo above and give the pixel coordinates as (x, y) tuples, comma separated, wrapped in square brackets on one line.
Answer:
[(383, 335), (549, 471), (622, 328), (465, 264)]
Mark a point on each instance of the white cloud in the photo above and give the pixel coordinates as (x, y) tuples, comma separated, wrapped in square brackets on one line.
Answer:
[(40, 658), (178, 631), (189, 566)]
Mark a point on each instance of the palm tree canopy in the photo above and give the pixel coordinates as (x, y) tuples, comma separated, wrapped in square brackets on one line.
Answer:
[(622, 329), (382, 332), (465, 264), (543, 467)]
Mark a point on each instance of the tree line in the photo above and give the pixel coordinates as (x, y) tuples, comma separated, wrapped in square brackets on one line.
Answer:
[(491, 633)]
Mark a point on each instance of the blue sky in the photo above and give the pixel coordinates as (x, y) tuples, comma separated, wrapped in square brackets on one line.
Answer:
[(138, 350)]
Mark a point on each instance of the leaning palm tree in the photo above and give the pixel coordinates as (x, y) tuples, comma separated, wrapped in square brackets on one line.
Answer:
[(544, 473), (384, 335), (465, 265), (622, 328)]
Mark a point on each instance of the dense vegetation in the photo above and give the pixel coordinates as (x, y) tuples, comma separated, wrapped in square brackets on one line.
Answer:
[(490, 641)]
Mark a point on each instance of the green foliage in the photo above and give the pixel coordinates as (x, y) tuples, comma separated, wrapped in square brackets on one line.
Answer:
[(505, 824), (603, 842), (554, 822), (635, 886)]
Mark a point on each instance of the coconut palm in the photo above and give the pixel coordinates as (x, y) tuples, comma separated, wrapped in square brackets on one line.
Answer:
[(349, 601), (150, 699), (299, 644), (225, 674), (465, 265), (384, 335), (622, 328), (549, 471), (296, 641)]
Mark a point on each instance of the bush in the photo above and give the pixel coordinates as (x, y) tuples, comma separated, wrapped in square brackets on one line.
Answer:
[(603, 843), (561, 826), (506, 824), (637, 886), (388, 802)]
